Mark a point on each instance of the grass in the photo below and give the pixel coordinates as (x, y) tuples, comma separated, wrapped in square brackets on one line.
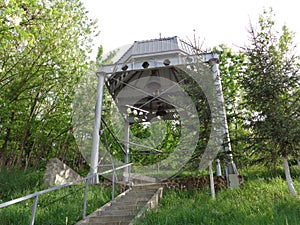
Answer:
[(60, 207), (262, 201)]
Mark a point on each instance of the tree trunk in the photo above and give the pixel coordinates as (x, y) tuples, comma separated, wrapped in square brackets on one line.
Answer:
[(4, 149), (288, 177), (3, 154), (27, 134)]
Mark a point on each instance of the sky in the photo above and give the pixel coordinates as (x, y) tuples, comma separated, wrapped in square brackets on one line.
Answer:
[(214, 22)]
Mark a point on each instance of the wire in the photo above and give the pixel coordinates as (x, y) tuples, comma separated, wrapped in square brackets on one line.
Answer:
[(46, 204), (113, 135)]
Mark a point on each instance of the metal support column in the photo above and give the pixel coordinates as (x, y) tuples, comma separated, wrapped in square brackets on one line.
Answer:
[(97, 126), (126, 145), (232, 170), (35, 205)]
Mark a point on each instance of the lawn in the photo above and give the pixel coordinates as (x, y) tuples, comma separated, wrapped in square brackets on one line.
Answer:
[(60, 207), (262, 201)]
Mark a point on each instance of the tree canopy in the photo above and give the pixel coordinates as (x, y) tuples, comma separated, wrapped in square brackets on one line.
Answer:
[(44, 52), (271, 83)]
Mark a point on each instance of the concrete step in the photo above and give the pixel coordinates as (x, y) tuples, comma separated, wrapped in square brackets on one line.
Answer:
[(132, 206), (141, 192), (135, 200), (118, 212), (135, 197), (107, 223), (125, 207), (110, 218), (150, 186)]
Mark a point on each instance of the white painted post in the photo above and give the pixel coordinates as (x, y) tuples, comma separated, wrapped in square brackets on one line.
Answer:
[(97, 126), (231, 167), (215, 67), (218, 168), (211, 178)]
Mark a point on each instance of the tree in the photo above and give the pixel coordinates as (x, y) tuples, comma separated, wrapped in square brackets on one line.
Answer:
[(271, 82), (43, 48)]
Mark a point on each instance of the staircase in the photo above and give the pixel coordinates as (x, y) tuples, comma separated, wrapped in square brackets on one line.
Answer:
[(127, 206)]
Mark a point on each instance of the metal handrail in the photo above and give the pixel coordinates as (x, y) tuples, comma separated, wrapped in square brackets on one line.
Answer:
[(86, 179)]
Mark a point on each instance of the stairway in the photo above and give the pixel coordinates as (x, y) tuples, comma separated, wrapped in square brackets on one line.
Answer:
[(126, 207)]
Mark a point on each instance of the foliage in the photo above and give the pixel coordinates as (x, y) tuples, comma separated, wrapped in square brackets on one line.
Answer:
[(43, 48), (271, 83), (168, 132), (271, 204), (17, 183), (64, 206)]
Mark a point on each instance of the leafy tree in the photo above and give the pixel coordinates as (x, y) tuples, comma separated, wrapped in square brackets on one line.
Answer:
[(271, 82), (83, 106), (43, 48)]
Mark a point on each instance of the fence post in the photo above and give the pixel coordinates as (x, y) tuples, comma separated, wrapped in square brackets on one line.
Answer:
[(36, 198), (113, 186), (85, 197), (36, 195)]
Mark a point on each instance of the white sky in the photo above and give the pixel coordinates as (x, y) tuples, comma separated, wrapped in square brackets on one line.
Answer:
[(122, 22)]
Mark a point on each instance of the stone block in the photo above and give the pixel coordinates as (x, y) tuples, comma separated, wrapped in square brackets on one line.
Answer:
[(58, 173)]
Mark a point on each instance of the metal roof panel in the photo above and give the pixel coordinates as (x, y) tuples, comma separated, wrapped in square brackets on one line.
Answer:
[(159, 46)]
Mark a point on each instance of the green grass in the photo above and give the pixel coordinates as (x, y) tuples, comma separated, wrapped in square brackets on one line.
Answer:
[(60, 207), (262, 201), (17, 183)]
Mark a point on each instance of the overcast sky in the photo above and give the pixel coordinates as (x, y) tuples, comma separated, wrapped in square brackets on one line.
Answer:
[(122, 22)]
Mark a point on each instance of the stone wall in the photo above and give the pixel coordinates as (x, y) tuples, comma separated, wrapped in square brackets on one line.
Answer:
[(190, 183), (58, 173)]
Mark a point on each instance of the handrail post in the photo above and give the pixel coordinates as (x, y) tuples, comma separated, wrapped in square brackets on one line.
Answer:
[(36, 198), (129, 176), (85, 197), (113, 186), (87, 179)]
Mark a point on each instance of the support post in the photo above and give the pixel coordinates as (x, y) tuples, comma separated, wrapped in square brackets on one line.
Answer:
[(211, 179), (113, 186), (34, 207), (232, 170), (126, 144), (85, 198), (97, 126), (218, 168)]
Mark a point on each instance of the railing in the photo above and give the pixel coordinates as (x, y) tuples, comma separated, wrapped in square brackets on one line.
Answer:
[(86, 179)]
